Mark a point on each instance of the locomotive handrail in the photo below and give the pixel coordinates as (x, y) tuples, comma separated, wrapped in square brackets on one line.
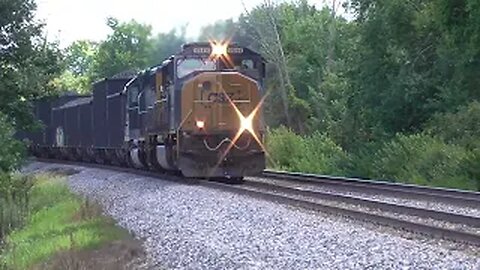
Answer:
[(178, 130)]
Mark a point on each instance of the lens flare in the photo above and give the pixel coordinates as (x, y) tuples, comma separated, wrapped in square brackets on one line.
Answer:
[(200, 124), (246, 124), (220, 51)]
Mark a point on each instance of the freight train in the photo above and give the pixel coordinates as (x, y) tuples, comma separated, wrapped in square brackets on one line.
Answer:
[(198, 113)]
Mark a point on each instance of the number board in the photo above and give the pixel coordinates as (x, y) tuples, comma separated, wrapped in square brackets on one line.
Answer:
[(202, 50), (235, 50), (208, 50)]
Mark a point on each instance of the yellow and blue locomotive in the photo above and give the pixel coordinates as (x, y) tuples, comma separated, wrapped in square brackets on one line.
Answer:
[(199, 112)]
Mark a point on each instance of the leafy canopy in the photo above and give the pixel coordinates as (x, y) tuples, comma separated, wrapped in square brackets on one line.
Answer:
[(28, 62)]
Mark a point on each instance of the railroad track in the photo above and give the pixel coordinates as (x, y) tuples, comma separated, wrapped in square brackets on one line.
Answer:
[(444, 195), (451, 226)]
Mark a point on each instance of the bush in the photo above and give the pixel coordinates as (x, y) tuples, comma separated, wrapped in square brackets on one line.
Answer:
[(359, 163), (423, 159), (461, 127), (320, 155), (14, 202), (418, 159), (13, 189), (284, 148), (316, 153), (12, 151), (472, 166)]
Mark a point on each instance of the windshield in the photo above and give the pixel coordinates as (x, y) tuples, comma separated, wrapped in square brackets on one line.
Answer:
[(187, 66), (241, 64), (244, 64)]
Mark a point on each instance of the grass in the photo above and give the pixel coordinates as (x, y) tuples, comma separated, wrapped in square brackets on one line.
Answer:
[(59, 221)]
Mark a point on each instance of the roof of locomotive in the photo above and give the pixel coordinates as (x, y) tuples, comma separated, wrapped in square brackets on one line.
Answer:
[(188, 48)]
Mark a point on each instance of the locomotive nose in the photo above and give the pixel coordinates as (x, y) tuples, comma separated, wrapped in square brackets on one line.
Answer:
[(220, 126), (217, 100)]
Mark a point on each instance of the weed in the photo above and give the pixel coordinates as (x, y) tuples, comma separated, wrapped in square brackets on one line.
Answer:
[(59, 221)]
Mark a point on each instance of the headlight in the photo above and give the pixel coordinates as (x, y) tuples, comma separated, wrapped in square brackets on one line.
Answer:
[(200, 124), (218, 49)]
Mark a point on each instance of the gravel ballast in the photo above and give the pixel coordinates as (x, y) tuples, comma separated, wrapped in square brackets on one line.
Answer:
[(193, 227)]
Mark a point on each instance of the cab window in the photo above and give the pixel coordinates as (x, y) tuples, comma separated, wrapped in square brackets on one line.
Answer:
[(247, 64), (133, 96), (149, 96), (142, 104), (189, 65), (244, 64)]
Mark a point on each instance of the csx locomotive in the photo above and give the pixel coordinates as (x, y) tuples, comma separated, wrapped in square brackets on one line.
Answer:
[(199, 113)]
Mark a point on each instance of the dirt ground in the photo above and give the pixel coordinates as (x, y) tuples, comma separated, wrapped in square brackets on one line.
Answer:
[(118, 255)]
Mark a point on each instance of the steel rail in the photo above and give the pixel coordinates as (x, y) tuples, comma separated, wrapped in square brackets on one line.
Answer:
[(451, 196), (384, 206), (430, 230)]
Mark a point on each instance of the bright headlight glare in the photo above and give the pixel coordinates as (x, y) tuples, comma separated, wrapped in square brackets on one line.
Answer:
[(200, 124), (246, 123), (219, 49)]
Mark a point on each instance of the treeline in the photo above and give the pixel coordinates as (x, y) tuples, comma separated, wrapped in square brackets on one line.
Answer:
[(130, 47), (28, 64), (392, 92)]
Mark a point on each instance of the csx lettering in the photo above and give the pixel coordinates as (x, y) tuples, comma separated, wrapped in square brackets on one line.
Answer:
[(219, 97)]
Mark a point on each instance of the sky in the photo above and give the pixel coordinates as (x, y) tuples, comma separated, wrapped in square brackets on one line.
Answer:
[(70, 20)]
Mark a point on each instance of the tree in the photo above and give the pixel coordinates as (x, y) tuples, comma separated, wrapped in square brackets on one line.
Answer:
[(79, 59), (415, 59), (262, 24), (11, 151), (220, 30), (69, 82), (164, 45), (458, 52), (301, 44), (127, 48), (28, 62)]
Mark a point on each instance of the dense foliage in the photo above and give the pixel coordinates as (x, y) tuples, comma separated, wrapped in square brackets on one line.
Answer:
[(27, 61), (315, 153), (27, 65), (394, 88), (11, 150), (129, 48)]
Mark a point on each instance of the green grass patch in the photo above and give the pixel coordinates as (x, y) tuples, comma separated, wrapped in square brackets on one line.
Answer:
[(59, 221)]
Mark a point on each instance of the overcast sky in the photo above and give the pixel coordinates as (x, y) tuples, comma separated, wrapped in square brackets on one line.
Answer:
[(70, 20)]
